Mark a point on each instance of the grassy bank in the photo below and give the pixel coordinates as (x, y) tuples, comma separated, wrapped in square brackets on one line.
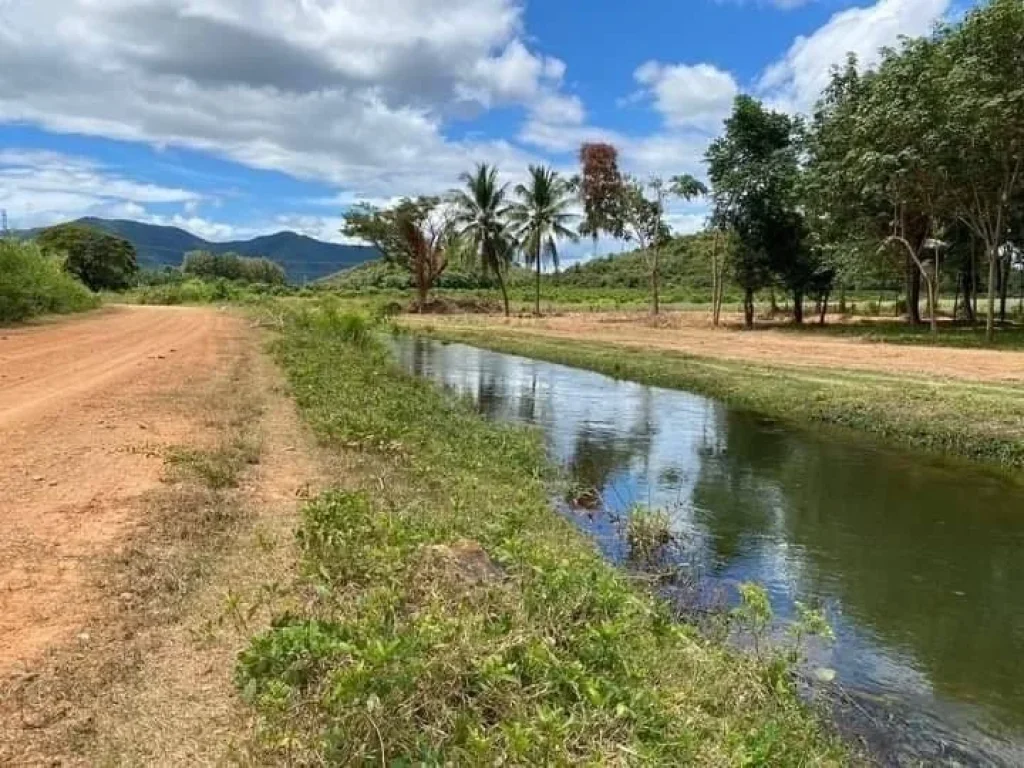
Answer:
[(983, 422), (32, 284), (449, 616)]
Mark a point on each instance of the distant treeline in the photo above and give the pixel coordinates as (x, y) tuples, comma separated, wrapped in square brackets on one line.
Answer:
[(231, 266)]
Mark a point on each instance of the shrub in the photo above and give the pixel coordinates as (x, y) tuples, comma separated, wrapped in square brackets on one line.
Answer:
[(231, 266), (33, 283), (100, 260)]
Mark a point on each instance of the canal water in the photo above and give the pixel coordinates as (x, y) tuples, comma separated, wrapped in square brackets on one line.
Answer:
[(917, 563)]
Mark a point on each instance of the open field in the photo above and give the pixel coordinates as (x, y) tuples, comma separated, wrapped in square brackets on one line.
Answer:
[(690, 333), (148, 474), (964, 402)]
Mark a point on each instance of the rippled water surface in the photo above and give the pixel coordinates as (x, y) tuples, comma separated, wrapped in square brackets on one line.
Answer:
[(918, 564)]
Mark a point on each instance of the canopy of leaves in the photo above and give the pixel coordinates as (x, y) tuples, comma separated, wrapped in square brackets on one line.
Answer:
[(541, 216), (601, 188), (100, 260), (754, 172)]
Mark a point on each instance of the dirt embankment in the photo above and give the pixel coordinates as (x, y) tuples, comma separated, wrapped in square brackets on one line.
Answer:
[(150, 466), (690, 333)]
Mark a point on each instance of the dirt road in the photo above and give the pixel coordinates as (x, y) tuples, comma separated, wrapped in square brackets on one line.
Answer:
[(689, 333), (87, 410)]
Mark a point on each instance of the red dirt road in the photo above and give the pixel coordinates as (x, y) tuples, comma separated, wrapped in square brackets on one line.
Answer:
[(87, 409)]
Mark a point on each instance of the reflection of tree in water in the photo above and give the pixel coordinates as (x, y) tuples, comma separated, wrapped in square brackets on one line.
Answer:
[(927, 558), (932, 565), (735, 506), (600, 454), (527, 406)]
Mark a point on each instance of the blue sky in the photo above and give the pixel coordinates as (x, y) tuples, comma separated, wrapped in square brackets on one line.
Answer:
[(233, 118)]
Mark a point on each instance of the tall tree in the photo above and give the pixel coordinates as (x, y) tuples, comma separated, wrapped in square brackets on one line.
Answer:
[(752, 168), (601, 187), (643, 222), (982, 127), (416, 235), (541, 217), (100, 260), (480, 214)]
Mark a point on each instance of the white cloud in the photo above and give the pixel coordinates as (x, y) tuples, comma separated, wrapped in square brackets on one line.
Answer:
[(351, 92), (699, 95), (39, 188), (796, 80)]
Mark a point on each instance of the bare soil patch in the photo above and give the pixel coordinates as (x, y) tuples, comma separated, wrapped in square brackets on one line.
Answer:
[(151, 473), (691, 333)]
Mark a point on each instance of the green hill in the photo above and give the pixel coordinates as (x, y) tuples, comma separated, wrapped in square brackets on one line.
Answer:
[(304, 259), (685, 263)]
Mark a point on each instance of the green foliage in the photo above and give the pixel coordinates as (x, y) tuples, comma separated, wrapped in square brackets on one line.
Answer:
[(415, 235), (480, 215), (449, 616), (754, 170), (540, 218), (193, 290), (100, 260), (32, 283), (231, 266)]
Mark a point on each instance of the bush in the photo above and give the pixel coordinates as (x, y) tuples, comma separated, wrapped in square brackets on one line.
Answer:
[(33, 283), (231, 266), (100, 260)]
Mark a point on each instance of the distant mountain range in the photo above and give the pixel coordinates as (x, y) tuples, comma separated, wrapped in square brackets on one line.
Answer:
[(304, 259)]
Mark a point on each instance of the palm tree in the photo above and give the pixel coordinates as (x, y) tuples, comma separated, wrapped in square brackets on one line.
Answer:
[(480, 213), (541, 217)]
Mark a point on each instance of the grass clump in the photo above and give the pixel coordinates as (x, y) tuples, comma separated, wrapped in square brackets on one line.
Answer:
[(33, 283), (449, 616), (648, 534)]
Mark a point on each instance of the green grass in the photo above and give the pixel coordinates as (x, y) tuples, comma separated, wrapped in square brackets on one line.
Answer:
[(983, 422), (447, 615), (32, 284)]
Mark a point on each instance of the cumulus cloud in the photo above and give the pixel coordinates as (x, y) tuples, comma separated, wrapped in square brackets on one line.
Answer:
[(697, 95), (796, 80), (40, 188), (351, 92)]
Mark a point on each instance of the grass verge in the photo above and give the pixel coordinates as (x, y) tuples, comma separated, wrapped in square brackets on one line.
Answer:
[(981, 422), (450, 616)]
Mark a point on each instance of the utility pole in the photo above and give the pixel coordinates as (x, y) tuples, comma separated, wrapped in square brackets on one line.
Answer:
[(4, 229)]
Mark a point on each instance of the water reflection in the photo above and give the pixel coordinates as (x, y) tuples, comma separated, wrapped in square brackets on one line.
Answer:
[(919, 565)]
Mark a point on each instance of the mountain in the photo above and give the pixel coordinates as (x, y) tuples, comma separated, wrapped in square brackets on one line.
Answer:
[(303, 258)]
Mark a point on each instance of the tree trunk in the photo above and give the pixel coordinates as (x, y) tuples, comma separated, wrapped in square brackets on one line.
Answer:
[(714, 281), (504, 293), (798, 307), (956, 296), (655, 298), (913, 292), (1004, 287), (842, 298), (933, 301), (748, 309), (536, 306), (974, 282), (990, 328), (775, 304), (824, 307), (421, 292)]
